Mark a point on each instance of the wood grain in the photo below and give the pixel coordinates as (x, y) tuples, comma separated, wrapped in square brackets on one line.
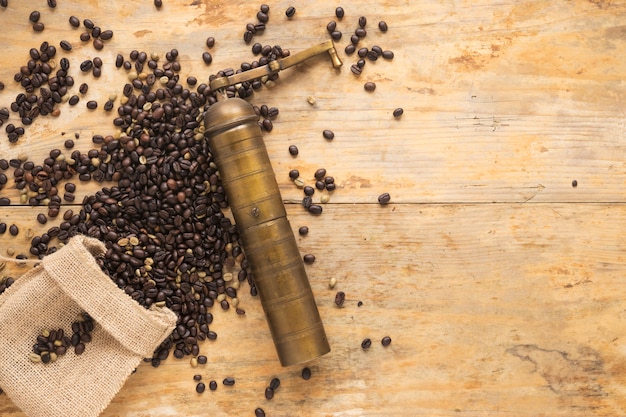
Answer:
[(499, 282)]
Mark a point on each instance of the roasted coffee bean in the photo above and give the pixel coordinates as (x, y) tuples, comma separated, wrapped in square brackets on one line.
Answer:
[(41, 218), (339, 12), (79, 348), (202, 359), (331, 26), (398, 112), (387, 54), (306, 373), (34, 16), (13, 230), (97, 62), (308, 258), (88, 23), (228, 381), (3, 228), (308, 190), (38, 27), (328, 134), (210, 42), (200, 388), (340, 297), (92, 104), (272, 112), (320, 185), (268, 125), (384, 198), (212, 385), (98, 44), (65, 45), (360, 33), (303, 230), (73, 100), (207, 58), (362, 21), (158, 3), (269, 393), (85, 36), (336, 35), (386, 341), (197, 377), (106, 35), (259, 412), (369, 86), (262, 17), (247, 36), (293, 150), (366, 343), (355, 69), (86, 65), (52, 4), (290, 11), (294, 173), (574, 183), (320, 173), (382, 25), (5, 201), (315, 209), (349, 50), (74, 22), (362, 52), (275, 383)]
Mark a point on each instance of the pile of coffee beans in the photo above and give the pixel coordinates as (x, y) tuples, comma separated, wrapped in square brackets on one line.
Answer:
[(162, 220), (52, 344)]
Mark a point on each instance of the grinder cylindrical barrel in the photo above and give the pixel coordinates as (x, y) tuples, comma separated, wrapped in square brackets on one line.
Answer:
[(236, 143)]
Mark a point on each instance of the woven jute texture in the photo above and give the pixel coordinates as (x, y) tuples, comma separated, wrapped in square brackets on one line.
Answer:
[(51, 296)]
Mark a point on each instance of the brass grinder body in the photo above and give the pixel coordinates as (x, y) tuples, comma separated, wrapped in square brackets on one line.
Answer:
[(238, 149)]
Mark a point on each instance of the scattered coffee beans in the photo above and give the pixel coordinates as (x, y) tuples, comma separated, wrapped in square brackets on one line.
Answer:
[(309, 258), (269, 393), (34, 16), (200, 388), (384, 198), (366, 343), (14, 230), (228, 381), (306, 373), (290, 11), (258, 412), (328, 134), (340, 298), (339, 12), (574, 183), (386, 341), (382, 25), (303, 230), (275, 383), (369, 86), (398, 112), (212, 385), (293, 150)]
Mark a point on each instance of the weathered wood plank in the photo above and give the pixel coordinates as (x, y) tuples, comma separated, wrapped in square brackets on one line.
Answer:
[(493, 309)]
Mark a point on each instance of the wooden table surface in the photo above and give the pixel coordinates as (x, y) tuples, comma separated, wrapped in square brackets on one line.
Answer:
[(501, 284)]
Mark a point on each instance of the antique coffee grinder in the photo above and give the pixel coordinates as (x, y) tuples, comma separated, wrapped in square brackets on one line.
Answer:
[(236, 142)]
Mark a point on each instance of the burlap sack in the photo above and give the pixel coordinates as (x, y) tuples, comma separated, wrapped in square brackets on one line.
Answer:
[(51, 296)]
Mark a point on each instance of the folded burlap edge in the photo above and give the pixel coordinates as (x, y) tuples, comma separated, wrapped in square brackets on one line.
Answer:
[(138, 329)]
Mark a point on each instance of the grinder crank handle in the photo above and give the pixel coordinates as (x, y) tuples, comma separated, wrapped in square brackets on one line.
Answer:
[(277, 65)]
